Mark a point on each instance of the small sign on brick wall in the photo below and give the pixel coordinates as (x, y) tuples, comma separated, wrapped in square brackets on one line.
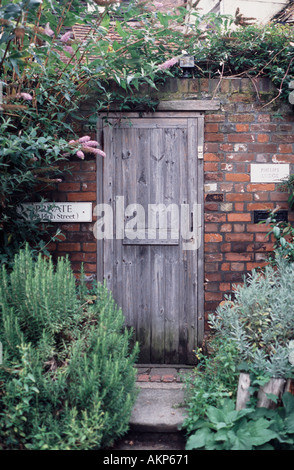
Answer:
[(57, 211), (268, 173)]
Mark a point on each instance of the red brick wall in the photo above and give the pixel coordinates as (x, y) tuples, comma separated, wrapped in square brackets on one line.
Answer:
[(245, 130), (77, 239)]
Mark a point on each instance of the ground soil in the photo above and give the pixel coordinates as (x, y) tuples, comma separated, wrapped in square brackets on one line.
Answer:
[(151, 441)]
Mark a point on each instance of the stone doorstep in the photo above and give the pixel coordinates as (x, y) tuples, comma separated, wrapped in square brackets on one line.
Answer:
[(158, 408)]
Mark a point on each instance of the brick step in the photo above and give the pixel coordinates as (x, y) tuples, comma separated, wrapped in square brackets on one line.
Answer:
[(162, 373)]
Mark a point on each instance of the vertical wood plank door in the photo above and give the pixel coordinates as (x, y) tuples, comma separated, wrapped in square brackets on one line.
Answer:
[(152, 257)]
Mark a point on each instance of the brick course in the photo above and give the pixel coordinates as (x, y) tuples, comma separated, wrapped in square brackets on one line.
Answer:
[(242, 132)]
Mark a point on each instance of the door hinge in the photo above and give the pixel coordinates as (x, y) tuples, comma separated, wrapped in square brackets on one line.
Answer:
[(200, 152)]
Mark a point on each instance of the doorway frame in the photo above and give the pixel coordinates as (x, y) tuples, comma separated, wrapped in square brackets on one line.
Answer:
[(167, 109)]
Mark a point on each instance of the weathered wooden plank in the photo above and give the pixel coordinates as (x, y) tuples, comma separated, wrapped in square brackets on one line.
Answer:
[(146, 241), (108, 246), (200, 252), (171, 193), (150, 235), (119, 115), (243, 392), (119, 280), (189, 105), (127, 156), (157, 258), (100, 161), (183, 280), (150, 123), (273, 387), (192, 255), (143, 188)]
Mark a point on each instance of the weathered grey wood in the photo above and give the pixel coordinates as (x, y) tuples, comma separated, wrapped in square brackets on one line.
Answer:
[(155, 282), (191, 105), (170, 193), (274, 387), (157, 262), (100, 161), (120, 117), (200, 251), (126, 175), (142, 191), (108, 174), (150, 123), (243, 393), (136, 241), (289, 387)]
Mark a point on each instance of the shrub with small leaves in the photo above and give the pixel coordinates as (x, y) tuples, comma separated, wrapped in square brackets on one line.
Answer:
[(259, 320), (67, 380)]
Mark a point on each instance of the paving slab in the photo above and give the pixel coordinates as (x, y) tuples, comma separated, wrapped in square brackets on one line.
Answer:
[(158, 408)]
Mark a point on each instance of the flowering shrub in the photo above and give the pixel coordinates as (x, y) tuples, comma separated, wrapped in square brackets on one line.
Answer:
[(45, 74)]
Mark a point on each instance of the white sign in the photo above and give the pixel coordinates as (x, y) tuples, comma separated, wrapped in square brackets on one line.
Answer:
[(269, 173), (57, 211)]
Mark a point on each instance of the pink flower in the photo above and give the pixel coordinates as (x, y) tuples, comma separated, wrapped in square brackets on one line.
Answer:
[(169, 63), (85, 138), (158, 4), (69, 49), (100, 152), (24, 96), (80, 154), (66, 36), (48, 30), (94, 151), (72, 142), (91, 143)]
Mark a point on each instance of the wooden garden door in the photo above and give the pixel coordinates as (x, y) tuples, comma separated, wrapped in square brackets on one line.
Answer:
[(152, 257)]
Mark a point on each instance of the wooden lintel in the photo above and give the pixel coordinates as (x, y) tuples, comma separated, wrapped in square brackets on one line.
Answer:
[(189, 105)]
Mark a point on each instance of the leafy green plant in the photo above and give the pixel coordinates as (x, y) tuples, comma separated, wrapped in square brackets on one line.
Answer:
[(283, 234), (214, 378), (259, 320), (226, 428), (287, 185), (67, 380), (45, 75)]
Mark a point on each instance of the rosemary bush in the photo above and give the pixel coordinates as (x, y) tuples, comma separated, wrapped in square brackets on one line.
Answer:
[(67, 380)]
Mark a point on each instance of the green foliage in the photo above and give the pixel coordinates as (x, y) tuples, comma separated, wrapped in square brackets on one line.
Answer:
[(214, 378), (225, 428), (67, 380), (253, 51), (260, 319), (288, 186), (283, 234), (45, 77)]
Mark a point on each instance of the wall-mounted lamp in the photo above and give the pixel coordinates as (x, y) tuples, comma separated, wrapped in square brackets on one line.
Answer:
[(187, 63)]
